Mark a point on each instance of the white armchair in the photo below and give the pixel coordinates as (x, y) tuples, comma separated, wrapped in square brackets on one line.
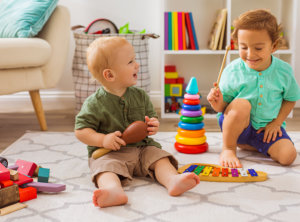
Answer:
[(31, 64)]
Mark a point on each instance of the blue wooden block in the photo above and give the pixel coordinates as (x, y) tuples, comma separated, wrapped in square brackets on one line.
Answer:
[(43, 175)]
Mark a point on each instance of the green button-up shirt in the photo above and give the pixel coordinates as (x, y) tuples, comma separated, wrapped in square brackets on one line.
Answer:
[(107, 113), (265, 90)]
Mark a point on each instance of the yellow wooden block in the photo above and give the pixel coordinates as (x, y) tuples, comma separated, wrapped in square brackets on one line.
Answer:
[(171, 75), (261, 176)]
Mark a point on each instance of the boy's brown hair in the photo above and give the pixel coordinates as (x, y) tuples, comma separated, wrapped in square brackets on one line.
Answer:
[(258, 19), (101, 53)]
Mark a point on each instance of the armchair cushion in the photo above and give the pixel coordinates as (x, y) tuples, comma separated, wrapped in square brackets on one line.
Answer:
[(23, 19)]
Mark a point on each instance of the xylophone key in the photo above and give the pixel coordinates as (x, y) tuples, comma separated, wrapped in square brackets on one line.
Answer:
[(206, 171), (216, 172), (234, 172), (198, 170), (252, 172), (190, 168), (224, 172), (243, 172)]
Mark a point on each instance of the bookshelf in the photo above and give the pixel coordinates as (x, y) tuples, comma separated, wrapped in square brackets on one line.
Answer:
[(204, 64)]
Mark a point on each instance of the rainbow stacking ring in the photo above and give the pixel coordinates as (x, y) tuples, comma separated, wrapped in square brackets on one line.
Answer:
[(191, 102), (191, 107), (190, 141), (191, 149), (186, 119), (192, 97), (191, 133), (191, 113), (190, 126)]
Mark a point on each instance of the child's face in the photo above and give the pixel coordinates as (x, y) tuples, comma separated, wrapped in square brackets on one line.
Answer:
[(255, 48), (125, 66)]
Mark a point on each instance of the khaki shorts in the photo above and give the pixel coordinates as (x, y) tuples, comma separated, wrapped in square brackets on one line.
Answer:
[(128, 162)]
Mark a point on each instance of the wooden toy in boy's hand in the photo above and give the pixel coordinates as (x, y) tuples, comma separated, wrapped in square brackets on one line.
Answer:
[(134, 133)]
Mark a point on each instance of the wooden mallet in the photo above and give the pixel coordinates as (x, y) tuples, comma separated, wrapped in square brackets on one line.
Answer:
[(222, 66)]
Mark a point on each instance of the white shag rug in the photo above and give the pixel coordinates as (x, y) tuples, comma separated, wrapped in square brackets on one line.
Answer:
[(276, 199)]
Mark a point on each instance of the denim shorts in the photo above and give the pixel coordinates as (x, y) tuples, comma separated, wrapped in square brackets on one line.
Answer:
[(250, 137)]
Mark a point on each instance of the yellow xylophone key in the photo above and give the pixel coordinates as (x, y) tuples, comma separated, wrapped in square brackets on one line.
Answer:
[(206, 171)]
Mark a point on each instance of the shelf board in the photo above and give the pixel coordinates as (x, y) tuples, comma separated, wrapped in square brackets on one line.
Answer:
[(177, 116), (214, 52)]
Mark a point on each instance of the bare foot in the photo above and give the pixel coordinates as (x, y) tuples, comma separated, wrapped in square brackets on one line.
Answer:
[(109, 197), (228, 159), (180, 183)]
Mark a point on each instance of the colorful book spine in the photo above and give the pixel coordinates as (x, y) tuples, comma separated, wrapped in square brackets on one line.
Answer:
[(175, 30), (183, 32), (180, 41), (190, 32), (170, 42), (166, 30), (194, 31)]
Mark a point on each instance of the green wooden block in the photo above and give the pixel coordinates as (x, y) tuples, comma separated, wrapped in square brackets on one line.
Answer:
[(167, 90), (43, 175)]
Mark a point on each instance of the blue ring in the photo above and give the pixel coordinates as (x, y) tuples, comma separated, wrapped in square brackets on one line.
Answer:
[(191, 107), (191, 126)]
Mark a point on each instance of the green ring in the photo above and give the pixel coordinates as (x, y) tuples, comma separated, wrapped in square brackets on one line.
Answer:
[(186, 119)]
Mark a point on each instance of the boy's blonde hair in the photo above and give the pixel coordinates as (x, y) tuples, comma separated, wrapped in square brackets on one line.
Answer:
[(101, 54), (257, 20)]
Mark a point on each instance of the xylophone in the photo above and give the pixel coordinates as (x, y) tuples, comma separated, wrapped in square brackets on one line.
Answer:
[(215, 173)]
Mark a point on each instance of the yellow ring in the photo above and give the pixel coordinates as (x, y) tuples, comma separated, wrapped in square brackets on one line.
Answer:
[(190, 133), (190, 141)]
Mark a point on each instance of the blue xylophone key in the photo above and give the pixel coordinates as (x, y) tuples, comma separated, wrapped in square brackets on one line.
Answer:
[(252, 172), (190, 169), (234, 172)]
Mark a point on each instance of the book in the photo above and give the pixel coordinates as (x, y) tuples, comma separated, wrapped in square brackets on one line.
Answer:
[(180, 42), (175, 31), (183, 32), (166, 30), (194, 31), (217, 28), (170, 40), (221, 44), (189, 31)]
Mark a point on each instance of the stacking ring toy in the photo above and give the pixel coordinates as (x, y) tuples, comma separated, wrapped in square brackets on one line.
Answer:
[(191, 96), (191, 126), (191, 107), (191, 149), (191, 113), (191, 133), (191, 102), (186, 119), (190, 141)]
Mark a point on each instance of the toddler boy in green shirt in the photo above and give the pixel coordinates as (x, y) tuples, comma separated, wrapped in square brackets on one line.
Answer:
[(256, 93), (106, 113)]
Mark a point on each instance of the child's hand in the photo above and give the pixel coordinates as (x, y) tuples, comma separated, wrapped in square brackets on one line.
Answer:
[(271, 131), (215, 96), (152, 124), (113, 141)]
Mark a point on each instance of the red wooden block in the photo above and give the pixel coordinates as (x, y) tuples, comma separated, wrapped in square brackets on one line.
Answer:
[(6, 183), (26, 167), (27, 193), (180, 80), (23, 179), (170, 81), (170, 68), (4, 173)]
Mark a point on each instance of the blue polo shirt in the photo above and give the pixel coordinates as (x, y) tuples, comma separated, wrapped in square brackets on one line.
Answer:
[(265, 90)]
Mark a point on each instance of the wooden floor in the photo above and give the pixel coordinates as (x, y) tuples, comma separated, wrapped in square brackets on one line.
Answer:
[(14, 125)]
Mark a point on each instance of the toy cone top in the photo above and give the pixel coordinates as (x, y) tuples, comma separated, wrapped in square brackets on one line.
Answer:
[(192, 87)]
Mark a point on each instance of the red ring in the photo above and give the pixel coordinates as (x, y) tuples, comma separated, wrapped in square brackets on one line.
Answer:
[(191, 149), (191, 102)]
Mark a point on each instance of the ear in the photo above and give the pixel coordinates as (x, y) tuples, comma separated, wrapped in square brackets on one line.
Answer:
[(275, 45), (108, 75)]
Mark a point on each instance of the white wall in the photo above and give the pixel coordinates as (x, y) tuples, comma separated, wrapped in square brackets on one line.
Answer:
[(140, 14)]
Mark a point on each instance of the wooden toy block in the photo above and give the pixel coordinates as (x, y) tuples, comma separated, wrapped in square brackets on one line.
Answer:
[(36, 172), (176, 89), (167, 90), (170, 68), (14, 175), (170, 81), (4, 173), (3, 161), (180, 80), (9, 195), (13, 167), (6, 183), (23, 179), (26, 167), (225, 174), (171, 75), (43, 175), (12, 208), (27, 193), (47, 187)]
